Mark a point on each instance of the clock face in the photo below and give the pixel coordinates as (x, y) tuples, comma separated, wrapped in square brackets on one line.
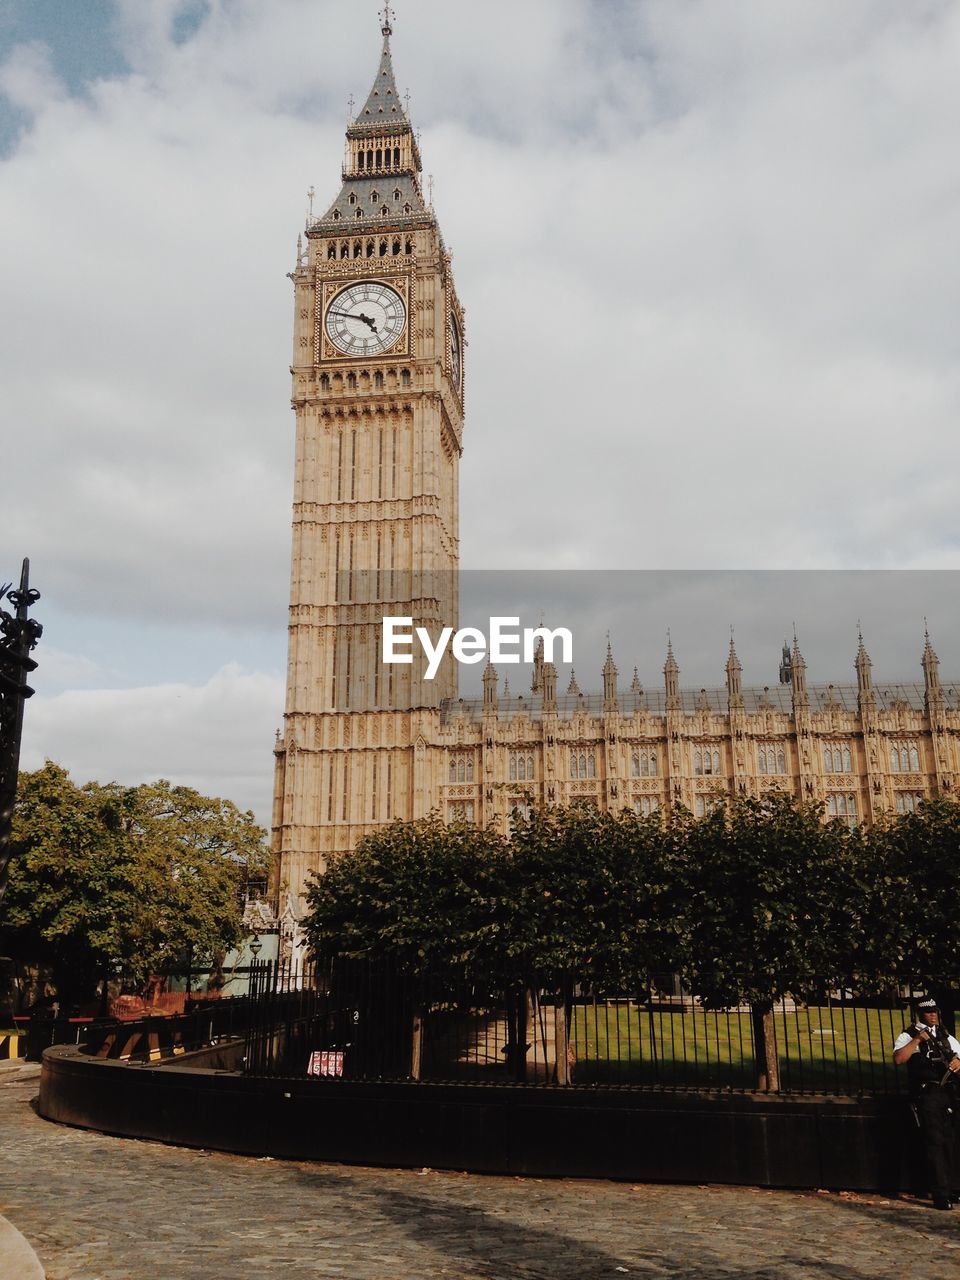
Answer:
[(456, 354), (365, 319)]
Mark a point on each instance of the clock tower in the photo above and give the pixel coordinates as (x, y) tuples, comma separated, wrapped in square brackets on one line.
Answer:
[(378, 396)]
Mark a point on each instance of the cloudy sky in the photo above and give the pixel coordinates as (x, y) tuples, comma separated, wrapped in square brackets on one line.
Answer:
[(709, 255)]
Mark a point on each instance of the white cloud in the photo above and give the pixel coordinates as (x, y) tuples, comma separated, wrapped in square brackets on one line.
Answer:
[(27, 78), (215, 737)]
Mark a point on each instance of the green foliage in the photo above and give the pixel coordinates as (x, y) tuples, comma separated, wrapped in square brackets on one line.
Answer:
[(915, 892), (132, 879), (770, 896), (753, 900), (424, 893), (588, 894)]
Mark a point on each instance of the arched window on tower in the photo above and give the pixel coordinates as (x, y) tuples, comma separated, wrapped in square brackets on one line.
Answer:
[(378, 379), (359, 214), (332, 253), (396, 157), (353, 198)]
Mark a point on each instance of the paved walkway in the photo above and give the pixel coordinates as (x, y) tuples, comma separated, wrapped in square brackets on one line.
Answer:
[(99, 1208)]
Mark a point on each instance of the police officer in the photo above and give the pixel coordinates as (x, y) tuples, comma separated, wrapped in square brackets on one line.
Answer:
[(933, 1063)]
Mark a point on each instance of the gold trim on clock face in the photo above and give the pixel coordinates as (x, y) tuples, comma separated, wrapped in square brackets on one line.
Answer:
[(365, 319)]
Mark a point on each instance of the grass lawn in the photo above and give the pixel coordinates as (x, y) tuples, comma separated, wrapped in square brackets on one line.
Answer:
[(823, 1048)]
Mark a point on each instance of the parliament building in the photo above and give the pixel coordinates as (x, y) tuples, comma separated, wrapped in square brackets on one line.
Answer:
[(379, 392)]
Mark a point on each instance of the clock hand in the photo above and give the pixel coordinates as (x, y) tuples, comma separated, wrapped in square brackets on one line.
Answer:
[(346, 315)]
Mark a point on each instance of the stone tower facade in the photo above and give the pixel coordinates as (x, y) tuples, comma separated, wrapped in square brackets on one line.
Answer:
[(378, 395)]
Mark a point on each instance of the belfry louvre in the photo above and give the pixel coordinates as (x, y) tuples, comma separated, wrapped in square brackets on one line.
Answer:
[(379, 391)]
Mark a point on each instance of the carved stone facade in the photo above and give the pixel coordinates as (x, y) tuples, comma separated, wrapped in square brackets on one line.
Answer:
[(376, 532)]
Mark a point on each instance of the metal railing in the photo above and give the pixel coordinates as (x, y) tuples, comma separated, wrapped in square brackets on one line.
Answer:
[(364, 1020), (150, 1038)]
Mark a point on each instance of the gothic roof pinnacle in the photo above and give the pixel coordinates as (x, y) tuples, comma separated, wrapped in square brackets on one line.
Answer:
[(384, 105), (573, 687), (929, 654), (671, 662), (733, 662)]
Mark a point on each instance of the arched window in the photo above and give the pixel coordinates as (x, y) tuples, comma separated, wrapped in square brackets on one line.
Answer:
[(716, 762), (453, 770), (359, 214), (351, 381), (396, 247), (574, 771), (405, 377), (635, 764), (847, 765), (828, 760), (378, 379), (396, 194), (336, 215), (761, 760), (332, 253), (781, 761), (407, 209), (396, 157), (375, 197), (843, 806), (371, 248), (384, 246), (357, 249), (324, 382), (344, 250), (353, 198), (361, 157), (379, 157), (914, 760)]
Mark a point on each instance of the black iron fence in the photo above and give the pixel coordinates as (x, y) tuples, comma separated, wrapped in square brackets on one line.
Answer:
[(360, 1020), (148, 1038)]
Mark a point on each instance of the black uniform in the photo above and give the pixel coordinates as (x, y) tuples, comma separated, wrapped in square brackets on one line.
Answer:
[(935, 1104)]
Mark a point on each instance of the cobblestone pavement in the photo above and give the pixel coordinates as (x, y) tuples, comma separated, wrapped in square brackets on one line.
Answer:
[(99, 1208)]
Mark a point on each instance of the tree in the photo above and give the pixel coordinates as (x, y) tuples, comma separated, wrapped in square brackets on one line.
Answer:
[(424, 894), (110, 879), (914, 891), (772, 902), (589, 896)]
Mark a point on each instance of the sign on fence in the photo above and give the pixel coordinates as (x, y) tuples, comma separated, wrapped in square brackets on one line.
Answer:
[(326, 1062)]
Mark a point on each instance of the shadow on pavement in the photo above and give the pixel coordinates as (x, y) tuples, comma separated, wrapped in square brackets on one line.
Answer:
[(475, 1244)]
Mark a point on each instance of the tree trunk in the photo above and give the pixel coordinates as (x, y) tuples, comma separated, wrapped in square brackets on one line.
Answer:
[(765, 1043)]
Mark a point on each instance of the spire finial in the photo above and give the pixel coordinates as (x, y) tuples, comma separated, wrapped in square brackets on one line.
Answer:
[(388, 16)]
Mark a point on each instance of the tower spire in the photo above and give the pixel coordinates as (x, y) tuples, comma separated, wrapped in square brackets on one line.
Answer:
[(734, 677), (387, 16), (862, 665)]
